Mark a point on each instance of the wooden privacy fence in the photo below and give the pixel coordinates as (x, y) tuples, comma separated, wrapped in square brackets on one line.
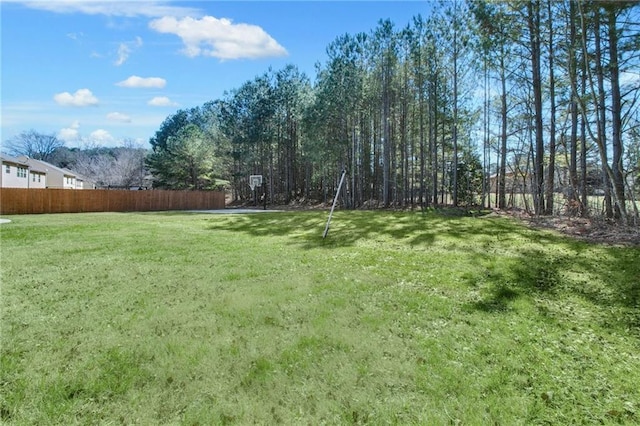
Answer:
[(28, 201)]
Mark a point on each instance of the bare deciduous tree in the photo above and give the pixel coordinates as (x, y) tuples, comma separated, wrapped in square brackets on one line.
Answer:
[(112, 167), (35, 145)]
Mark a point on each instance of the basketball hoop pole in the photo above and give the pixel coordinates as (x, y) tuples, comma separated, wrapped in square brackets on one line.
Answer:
[(264, 195), (335, 201)]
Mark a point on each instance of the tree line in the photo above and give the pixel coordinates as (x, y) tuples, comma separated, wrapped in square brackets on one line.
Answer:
[(467, 106), (490, 103)]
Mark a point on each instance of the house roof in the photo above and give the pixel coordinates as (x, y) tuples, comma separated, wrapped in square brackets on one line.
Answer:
[(12, 160), (25, 162), (43, 166)]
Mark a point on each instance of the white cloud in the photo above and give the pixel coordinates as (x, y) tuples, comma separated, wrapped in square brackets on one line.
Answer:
[(118, 116), (125, 49), (75, 36), (101, 136), (149, 82), (81, 98), (110, 8), (161, 101), (70, 134), (219, 38), (123, 54)]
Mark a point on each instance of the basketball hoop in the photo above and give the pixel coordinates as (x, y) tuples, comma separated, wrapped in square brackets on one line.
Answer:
[(254, 181)]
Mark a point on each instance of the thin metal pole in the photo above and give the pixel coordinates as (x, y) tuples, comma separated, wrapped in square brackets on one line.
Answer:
[(335, 201)]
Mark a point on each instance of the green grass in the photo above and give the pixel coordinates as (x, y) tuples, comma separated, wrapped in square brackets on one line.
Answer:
[(395, 318)]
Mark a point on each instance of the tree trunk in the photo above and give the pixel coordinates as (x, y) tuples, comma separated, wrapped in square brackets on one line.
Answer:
[(616, 120), (551, 167), (574, 205), (502, 171), (434, 140), (533, 19), (455, 105), (602, 119)]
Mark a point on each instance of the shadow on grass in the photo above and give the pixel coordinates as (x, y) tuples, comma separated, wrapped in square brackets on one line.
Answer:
[(498, 301), (348, 227), (612, 283), (537, 265), (530, 272), (620, 272)]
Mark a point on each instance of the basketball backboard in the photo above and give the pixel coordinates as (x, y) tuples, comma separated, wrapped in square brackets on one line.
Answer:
[(255, 180)]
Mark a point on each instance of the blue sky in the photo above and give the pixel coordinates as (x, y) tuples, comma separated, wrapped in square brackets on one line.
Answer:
[(98, 72)]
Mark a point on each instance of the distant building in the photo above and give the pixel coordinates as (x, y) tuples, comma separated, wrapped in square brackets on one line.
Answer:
[(18, 173), (25, 172)]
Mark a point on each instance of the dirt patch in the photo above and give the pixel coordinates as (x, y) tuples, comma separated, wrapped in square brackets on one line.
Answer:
[(586, 229)]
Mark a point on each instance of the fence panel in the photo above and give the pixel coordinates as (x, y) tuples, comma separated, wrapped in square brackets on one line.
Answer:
[(27, 201), (37, 202)]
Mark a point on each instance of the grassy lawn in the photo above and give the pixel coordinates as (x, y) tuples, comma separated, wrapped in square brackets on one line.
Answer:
[(401, 318)]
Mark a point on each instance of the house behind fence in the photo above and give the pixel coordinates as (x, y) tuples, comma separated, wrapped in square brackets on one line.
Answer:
[(29, 201), (25, 172)]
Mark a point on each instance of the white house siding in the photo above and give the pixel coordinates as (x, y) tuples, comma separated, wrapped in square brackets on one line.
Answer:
[(69, 182), (14, 175), (54, 180), (37, 180), (60, 180)]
